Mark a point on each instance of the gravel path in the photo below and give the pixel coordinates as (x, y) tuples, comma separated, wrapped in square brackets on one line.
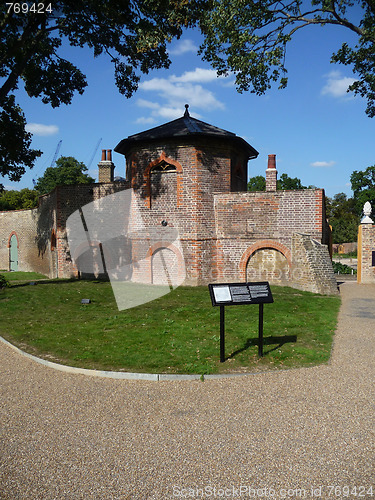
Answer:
[(270, 435)]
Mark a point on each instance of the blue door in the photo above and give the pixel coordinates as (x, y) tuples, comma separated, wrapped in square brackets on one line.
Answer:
[(13, 253)]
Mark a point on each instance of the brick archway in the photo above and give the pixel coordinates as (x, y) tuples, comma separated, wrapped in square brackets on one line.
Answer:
[(262, 245), (147, 177)]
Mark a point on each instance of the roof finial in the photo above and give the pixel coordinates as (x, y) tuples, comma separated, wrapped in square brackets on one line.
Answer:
[(186, 110)]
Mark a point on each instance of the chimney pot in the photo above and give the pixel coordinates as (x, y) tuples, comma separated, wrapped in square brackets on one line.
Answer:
[(109, 154), (104, 155), (271, 161)]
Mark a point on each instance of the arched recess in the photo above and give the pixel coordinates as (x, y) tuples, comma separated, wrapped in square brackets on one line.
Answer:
[(166, 264), (13, 245), (163, 160), (88, 258), (266, 260)]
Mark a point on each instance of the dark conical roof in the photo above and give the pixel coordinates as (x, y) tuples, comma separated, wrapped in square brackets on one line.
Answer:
[(186, 126)]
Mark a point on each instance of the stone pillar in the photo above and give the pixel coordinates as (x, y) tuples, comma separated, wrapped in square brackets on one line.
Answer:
[(106, 166), (271, 173), (366, 248)]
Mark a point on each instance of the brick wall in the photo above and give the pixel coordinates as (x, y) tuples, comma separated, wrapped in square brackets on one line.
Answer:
[(68, 199), (224, 233), (245, 219), (33, 229), (185, 198)]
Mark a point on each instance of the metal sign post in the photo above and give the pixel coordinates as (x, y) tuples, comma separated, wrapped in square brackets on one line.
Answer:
[(231, 294), (260, 331), (222, 334)]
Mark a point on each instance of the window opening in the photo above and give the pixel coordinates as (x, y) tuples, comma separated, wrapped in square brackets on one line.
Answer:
[(163, 167)]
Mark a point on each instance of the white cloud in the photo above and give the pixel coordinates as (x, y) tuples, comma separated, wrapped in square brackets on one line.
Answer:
[(169, 113), (143, 103), (199, 75), (42, 130), (337, 85), (145, 121), (177, 91), (182, 47), (323, 164), (169, 95)]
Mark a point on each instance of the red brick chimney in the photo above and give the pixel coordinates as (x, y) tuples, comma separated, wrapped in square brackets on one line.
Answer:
[(271, 173), (106, 167)]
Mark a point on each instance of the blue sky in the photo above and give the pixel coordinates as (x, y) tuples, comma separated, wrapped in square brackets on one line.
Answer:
[(318, 132)]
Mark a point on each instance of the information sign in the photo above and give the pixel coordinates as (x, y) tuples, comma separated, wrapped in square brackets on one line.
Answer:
[(234, 294), (230, 294)]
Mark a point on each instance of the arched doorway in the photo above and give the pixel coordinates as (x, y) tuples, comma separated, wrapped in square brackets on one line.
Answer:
[(13, 253)]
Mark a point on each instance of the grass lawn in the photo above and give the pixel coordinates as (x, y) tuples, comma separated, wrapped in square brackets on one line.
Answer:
[(22, 276), (178, 333)]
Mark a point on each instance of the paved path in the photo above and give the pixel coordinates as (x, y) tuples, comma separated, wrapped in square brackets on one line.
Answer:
[(65, 436)]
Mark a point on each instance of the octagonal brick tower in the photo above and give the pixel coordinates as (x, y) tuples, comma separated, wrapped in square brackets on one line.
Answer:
[(174, 170)]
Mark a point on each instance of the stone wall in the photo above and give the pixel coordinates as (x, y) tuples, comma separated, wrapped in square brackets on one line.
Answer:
[(311, 266), (366, 249)]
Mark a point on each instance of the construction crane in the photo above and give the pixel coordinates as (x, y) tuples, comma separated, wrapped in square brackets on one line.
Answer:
[(94, 153), (54, 157), (56, 153)]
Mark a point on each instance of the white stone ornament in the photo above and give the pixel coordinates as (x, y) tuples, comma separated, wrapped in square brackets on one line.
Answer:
[(367, 212)]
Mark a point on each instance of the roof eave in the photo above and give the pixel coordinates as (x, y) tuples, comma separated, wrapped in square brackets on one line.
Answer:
[(125, 145)]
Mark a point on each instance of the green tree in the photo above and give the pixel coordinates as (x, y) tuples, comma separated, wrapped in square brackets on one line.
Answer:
[(19, 200), (258, 183), (363, 187), (15, 152), (68, 170), (134, 35), (286, 182), (250, 39), (343, 217)]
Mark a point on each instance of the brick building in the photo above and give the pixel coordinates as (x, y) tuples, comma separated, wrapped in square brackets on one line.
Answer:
[(191, 177)]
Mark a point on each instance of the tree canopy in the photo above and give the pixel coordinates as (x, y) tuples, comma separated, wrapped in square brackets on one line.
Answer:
[(134, 35), (19, 200), (363, 186), (258, 183), (343, 217), (68, 170), (286, 182), (246, 38), (250, 39)]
